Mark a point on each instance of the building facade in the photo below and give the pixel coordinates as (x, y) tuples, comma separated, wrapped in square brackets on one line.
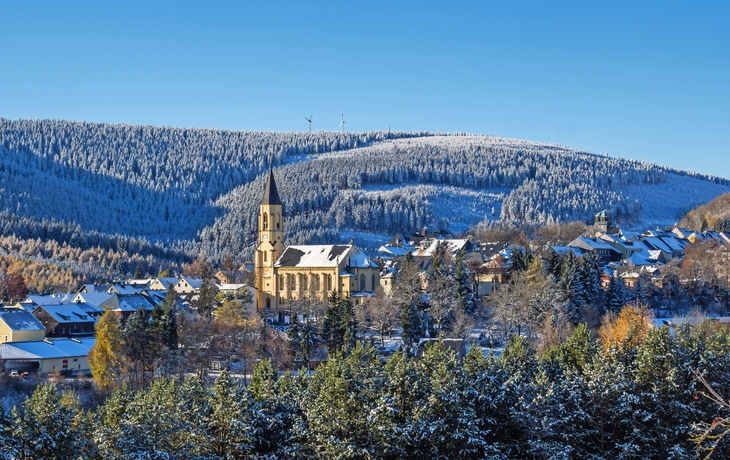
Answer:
[(285, 275)]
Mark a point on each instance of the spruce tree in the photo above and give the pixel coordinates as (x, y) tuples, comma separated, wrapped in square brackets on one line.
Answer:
[(461, 282), (411, 326), (294, 334)]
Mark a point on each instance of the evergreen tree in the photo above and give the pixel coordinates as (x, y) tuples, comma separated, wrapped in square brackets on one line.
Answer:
[(333, 332), (553, 264), (348, 323), (616, 293), (294, 334), (138, 273), (47, 425), (461, 282), (142, 345), (228, 427), (411, 325), (4, 294), (590, 277)]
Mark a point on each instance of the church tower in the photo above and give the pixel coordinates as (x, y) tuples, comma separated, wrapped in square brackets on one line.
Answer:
[(271, 244)]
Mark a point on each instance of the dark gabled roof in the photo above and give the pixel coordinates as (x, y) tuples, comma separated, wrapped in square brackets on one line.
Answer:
[(271, 194)]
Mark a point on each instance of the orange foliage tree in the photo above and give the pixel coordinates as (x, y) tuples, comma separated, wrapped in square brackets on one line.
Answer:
[(626, 330)]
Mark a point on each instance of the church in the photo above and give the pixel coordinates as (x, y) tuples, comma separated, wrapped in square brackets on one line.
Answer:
[(286, 274)]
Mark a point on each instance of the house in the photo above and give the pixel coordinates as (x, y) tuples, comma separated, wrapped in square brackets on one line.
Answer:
[(605, 251), (47, 355), (188, 285), (65, 321), (20, 326), (490, 275), (161, 284), (99, 300)]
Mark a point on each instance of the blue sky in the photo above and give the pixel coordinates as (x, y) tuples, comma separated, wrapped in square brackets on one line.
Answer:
[(643, 80)]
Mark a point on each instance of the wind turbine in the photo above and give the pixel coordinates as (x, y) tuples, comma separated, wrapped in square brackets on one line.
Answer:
[(310, 122), (342, 123)]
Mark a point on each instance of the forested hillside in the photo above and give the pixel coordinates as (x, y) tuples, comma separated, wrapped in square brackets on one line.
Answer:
[(182, 190), (715, 215)]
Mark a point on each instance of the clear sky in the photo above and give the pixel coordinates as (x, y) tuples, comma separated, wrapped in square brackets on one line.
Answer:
[(643, 80)]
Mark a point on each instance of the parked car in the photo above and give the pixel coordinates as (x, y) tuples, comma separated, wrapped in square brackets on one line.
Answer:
[(14, 373), (25, 375)]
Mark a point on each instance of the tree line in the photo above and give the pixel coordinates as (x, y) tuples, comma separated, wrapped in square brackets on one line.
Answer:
[(630, 392)]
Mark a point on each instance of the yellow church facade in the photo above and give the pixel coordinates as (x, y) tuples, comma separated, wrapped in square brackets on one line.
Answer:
[(287, 274)]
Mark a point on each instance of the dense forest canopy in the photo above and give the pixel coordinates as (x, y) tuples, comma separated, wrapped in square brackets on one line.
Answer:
[(193, 190)]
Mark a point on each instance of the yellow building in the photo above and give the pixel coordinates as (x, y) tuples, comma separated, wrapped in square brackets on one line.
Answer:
[(20, 326), (284, 275)]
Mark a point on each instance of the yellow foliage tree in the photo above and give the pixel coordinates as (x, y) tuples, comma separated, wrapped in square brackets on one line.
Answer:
[(104, 356), (627, 329)]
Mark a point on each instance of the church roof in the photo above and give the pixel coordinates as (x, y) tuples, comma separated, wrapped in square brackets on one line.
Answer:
[(271, 194), (313, 255)]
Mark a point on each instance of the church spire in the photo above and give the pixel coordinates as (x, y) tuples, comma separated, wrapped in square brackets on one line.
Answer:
[(271, 194)]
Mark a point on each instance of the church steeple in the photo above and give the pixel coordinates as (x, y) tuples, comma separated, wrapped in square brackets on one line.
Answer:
[(271, 194)]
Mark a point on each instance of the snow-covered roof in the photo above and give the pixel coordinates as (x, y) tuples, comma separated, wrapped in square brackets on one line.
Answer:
[(230, 287), (672, 242), (594, 243), (656, 243), (639, 259), (360, 260), (53, 299), (93, 298), (166, 282), (453, 246), (133, 303), (396, 250), (194, 283), (21, 320), (313, 255), (125, 289), (47, 349), (566, 249), (69, 313)]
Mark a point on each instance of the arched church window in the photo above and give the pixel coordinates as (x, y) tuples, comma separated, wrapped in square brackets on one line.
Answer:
[(266, 221), (278, 221), (362, 283)]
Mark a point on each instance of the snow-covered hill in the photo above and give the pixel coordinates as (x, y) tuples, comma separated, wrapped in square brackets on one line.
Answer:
[(201, 187)]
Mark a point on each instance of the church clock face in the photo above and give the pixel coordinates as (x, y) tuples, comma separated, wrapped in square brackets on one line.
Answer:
[(266, 236)]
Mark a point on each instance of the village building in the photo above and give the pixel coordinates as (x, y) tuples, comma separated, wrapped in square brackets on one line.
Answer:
[(47, 355), (18, 325), (286, 274)]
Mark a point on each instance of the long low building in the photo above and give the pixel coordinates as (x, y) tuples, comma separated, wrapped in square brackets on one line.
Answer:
[(47, 355)]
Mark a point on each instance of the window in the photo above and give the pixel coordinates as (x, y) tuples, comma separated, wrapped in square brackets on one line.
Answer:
[(264, 256), (362, 282), (266, 221)]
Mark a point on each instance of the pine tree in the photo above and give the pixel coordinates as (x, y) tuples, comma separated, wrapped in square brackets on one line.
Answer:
[(348, 323), (615, 293), (411, 326), (333, 332), (105, 356), (294, 334), (47, 425), (142, 345), (590, 278), (461, 282), (5, 295), (227, 427)]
